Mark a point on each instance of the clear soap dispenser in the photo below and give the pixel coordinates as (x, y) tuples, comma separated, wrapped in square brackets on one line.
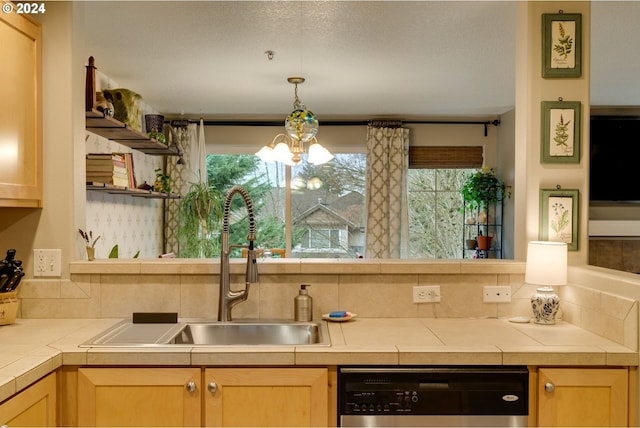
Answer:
[(303, 305)]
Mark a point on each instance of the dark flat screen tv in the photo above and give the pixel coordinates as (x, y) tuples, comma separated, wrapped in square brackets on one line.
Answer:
[(614, 170)]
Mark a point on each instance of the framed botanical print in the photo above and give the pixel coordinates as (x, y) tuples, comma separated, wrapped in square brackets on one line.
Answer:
[(559, 216), (561, 45), (560, 132)]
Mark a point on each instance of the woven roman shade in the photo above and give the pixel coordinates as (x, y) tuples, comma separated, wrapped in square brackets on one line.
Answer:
[(440, 157)]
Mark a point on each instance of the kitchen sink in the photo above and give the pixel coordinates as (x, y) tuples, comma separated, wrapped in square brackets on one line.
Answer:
[(250, 334), (212, 333)]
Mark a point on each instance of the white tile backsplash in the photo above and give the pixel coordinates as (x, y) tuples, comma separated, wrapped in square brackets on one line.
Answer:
[(194, 294)]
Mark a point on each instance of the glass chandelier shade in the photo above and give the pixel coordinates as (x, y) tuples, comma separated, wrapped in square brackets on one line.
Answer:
[(301, 127)]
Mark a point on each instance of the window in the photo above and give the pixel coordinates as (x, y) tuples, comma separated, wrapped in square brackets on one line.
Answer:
[(435, 177), (321, 239), (326, 213), (435, 222)]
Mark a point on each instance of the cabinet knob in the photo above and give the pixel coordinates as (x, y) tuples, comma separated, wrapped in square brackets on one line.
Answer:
[(549, 387), (191, 386), (212, 387)]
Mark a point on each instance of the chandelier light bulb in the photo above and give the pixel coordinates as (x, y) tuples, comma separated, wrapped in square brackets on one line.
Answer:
[(281, 153), (266, 154), (318, 154)]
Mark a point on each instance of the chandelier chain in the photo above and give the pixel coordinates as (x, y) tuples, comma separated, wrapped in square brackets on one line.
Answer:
[(297, 104)]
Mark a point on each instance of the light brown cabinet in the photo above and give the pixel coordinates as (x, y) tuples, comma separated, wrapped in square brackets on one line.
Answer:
[(33, 407), (266, 397), (193, 397), (582, 397), (139, 397), (20, 111)]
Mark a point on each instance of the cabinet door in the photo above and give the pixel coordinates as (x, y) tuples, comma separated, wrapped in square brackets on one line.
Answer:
[(266, 397), (33, 407), (582, 397), (20, 112), (139, 397)]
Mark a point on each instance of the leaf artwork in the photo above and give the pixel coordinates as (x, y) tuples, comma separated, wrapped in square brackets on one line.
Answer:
[(561, 134), (564, 44), (560, 219)]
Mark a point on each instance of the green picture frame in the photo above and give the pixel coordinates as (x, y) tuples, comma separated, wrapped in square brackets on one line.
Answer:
[(559, 216), (560, 131), (561, 45)]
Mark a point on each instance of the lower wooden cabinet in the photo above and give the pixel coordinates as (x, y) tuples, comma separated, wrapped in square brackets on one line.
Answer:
[(266, 397), (33, 407), (213, 397), (582, 397), (139, 397)]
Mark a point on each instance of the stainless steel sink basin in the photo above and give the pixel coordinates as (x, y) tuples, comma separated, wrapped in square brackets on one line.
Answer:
[(250, 334), (211, 333)]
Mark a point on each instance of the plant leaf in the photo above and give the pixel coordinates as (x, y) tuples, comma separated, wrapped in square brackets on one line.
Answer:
[(113, 254)]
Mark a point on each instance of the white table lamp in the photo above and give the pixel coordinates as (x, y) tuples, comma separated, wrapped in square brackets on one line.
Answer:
[(546, 266)]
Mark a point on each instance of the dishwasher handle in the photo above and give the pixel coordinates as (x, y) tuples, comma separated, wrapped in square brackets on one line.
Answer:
[(435, 385)]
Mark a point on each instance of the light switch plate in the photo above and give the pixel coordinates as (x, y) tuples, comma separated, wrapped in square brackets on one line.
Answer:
[(496, 294)]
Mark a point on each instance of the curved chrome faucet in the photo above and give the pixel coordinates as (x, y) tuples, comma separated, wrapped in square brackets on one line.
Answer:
[(228, 297)]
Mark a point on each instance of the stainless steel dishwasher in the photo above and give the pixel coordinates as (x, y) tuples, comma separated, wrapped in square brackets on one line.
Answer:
[(397, 396)]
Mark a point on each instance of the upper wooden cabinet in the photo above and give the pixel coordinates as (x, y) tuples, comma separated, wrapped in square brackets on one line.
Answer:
[(20, 111)]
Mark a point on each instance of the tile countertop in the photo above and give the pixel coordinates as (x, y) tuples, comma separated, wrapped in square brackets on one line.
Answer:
[(32, 348)]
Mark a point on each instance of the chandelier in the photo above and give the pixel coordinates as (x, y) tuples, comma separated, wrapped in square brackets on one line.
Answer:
[(301, 127)]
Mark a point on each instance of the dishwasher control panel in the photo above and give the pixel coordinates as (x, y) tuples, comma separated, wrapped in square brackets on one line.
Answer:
[(433, 391), (392, 401)]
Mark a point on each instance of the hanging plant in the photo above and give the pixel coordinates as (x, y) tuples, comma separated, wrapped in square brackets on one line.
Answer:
[(482, 188), (200, 213)]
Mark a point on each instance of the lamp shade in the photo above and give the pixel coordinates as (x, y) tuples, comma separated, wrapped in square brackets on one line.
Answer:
[(546, 263), (266, 154), (318, 154)]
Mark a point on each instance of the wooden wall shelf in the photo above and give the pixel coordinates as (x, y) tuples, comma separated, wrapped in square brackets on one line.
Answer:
[(140, 193), (113, 129)]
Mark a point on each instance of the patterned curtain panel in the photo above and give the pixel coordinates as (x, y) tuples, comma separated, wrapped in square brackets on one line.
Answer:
[(183, 171), (387, 232)]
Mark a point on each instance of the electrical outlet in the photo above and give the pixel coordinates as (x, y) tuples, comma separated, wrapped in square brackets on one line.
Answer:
[(426, 293), (47, 262), (496, 294)]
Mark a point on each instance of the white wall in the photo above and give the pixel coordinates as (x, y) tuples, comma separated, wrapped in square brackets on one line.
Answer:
[(531, 90)]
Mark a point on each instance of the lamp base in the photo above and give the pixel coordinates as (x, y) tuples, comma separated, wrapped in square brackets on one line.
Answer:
[(545, 304)]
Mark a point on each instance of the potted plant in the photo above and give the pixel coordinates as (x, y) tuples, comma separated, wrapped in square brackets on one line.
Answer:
[(162, 183), (481, 189), (90, 243), (200, 213)]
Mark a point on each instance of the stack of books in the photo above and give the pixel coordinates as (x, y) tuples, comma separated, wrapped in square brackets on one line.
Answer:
[(111, 168)]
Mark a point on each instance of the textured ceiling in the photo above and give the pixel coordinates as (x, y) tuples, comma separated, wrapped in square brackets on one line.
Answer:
[(360, 58)]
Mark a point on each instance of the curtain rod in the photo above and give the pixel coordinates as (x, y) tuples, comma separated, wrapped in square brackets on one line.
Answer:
[(485, 123), (495, 122)]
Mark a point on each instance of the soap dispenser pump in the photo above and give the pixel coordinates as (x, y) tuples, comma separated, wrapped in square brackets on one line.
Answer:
[(303, 305)]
